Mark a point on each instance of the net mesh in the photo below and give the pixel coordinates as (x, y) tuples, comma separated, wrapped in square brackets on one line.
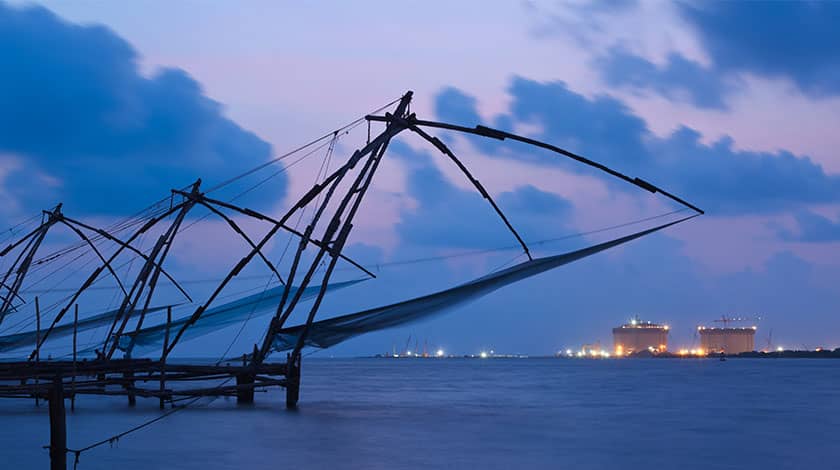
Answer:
[(332, 331)]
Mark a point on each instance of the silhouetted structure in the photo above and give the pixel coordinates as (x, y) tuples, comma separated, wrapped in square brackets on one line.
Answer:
[(332, 204)]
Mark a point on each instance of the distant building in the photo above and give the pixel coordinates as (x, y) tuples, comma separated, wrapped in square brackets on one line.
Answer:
[(640, 336), (727, 340)]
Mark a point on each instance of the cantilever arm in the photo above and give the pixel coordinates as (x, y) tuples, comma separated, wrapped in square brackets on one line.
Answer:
[(446, 151), (98, 253), (95, 274), (20, 240), (483, 131), (258, 215), (131, 248), (245, 236)]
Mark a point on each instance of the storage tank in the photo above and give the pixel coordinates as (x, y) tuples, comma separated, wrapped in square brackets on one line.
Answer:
[(640, 336), (727, 340)]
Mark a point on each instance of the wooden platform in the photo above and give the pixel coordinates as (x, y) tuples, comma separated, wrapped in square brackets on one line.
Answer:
[(137, 378)]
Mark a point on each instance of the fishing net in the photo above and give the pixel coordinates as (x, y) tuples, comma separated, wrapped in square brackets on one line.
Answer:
[(332, 331), (212, 319)]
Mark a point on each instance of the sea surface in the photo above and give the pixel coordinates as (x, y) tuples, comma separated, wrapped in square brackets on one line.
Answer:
[(475, 414)]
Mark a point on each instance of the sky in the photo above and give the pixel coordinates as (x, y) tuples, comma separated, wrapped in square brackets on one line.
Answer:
[(733, 106)]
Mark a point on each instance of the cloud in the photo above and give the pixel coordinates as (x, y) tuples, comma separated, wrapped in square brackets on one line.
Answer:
[(80, 114), (679, 79), (717, 177), (812, 228), (795, 40)]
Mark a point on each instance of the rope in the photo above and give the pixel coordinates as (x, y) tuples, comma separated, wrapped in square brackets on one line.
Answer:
[(302, 147), (116, 437)]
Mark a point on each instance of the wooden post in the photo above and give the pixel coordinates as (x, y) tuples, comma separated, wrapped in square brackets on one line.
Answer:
[(37, 348), (245, 395), (292, 381), (163, 358), (58, 426), (129, 386), (73, 377)]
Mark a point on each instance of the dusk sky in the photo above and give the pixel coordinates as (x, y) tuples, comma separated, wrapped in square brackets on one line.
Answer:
[(736, 109)]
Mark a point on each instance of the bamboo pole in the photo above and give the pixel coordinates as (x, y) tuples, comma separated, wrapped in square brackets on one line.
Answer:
[(163, 358), (37, 346), (73, 377)]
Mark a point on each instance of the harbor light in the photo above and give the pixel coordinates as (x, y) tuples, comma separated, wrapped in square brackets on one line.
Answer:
[(483, 355), (780, 349), (439, 353)]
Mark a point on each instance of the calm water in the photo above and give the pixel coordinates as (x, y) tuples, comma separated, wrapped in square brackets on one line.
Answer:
[(478, 414)]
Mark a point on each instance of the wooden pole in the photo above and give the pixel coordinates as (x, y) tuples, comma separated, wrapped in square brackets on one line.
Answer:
[(37, 347), (129, 385), (292, 381), (163, 358), (73, 378), (58, 426), (245, 388)]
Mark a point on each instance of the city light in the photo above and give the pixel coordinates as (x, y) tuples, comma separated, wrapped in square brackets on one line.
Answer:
[(780, 349)]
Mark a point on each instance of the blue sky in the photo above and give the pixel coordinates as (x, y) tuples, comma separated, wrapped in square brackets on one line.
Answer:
[(739, 120)]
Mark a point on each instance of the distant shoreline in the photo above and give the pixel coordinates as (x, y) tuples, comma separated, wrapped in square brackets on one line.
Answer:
[(787, 354)]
